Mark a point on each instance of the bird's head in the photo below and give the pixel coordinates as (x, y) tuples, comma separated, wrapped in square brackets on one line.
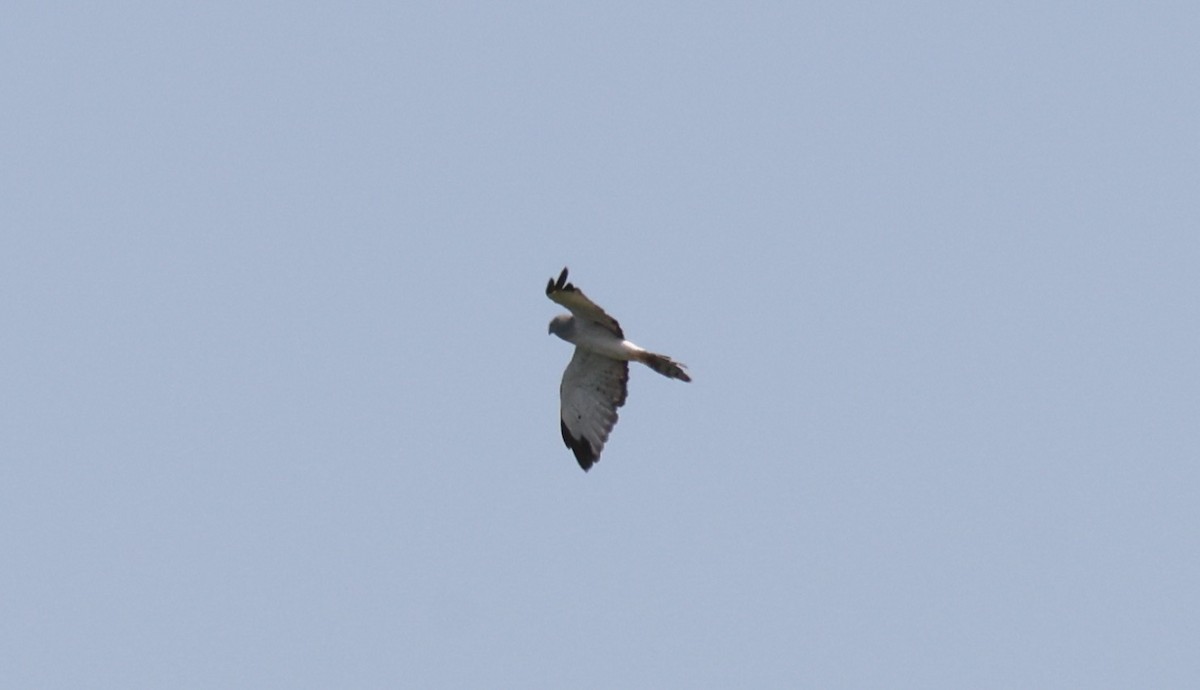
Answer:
[(561, 325)]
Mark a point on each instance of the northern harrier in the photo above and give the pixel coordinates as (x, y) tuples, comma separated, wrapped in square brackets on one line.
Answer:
[(593, 386)]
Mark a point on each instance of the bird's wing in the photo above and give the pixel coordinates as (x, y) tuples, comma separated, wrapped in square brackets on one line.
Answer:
[(593, 387), (573, 299)]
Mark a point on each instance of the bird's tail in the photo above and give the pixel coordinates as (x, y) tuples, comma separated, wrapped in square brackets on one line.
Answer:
[(664, 365)]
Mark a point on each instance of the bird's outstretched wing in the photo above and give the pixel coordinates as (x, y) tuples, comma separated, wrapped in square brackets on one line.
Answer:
[(573, 299), (593, 387)]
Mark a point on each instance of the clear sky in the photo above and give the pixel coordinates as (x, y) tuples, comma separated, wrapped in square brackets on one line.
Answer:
[(278, 407)]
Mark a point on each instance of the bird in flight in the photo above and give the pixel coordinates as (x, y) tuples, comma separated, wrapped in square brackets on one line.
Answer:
[(594, 384)]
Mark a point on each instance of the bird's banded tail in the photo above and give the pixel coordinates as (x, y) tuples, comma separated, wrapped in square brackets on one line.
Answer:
[(664, 365)]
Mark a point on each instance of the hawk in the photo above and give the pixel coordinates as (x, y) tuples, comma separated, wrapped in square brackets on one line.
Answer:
[(594, 384)]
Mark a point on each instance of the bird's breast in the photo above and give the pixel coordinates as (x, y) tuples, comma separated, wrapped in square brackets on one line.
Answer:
[(601, 341)]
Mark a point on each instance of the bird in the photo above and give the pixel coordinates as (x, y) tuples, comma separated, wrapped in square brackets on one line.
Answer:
[(595, 382)]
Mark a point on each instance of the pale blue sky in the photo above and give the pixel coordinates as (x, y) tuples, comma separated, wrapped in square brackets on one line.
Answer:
[(278, 407)]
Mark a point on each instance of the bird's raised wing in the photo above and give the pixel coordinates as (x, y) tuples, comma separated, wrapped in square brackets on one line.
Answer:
[(593, 387), (573, 299)]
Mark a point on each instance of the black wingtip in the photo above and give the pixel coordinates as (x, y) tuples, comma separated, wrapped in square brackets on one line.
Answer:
[(584, 454), (560, 284)]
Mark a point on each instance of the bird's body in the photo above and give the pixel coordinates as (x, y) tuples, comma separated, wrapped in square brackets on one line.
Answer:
[(594, 384), (594, 337)]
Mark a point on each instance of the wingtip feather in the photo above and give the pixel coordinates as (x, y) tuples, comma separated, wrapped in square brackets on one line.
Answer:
[(584, 455), (560, 284)]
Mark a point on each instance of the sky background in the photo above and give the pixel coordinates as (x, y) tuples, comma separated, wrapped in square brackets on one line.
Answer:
[(278, 407)]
